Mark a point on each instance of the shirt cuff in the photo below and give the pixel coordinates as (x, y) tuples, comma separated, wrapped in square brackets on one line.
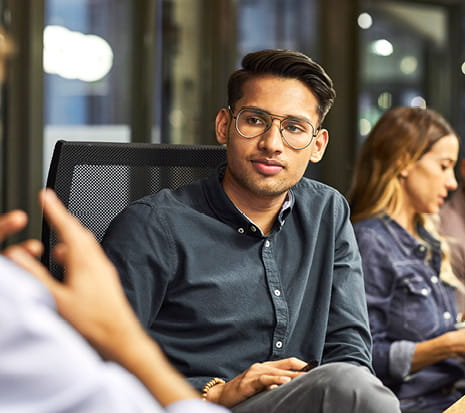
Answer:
[(195, 406), (400, 359)]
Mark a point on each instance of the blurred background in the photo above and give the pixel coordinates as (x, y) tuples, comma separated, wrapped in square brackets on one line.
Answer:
[(156, 71)]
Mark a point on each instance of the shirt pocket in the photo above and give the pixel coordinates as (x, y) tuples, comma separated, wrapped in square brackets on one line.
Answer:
[(415, 311)]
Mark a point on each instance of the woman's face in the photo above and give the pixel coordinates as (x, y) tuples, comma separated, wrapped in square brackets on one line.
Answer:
[(427, 181)]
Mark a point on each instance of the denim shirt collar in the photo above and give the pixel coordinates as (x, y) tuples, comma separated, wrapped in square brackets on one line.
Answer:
[(228, 213), (410, 245)]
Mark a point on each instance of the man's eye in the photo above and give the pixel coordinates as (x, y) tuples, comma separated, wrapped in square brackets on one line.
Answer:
[(254, 121), (295, 127)]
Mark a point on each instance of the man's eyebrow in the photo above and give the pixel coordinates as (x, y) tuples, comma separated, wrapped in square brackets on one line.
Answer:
[(291, 117)]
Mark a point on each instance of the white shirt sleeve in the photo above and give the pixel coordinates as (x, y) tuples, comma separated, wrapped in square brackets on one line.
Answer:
[(46, 366), (195, 406)]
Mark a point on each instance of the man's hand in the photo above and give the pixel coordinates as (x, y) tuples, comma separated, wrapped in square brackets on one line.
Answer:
[(92, 300), (13, 222), (91, 296), (257, 378)]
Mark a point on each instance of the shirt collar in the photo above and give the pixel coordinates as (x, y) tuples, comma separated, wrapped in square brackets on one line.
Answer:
[(228, 213), (410, 244)]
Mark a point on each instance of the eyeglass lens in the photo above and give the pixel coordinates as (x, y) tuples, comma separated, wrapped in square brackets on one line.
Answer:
[(296, 133)]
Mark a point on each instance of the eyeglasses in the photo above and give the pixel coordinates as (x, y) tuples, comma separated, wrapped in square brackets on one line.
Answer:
[(296, 133)]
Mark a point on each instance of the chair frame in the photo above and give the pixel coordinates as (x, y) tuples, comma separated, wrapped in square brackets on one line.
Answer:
[(68, 154)]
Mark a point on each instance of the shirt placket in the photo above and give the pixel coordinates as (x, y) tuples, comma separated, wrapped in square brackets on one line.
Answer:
[(448, 314), (433, 280), (278, 298)]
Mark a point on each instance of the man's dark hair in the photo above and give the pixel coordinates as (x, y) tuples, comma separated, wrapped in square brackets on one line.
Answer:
[(287, 64)]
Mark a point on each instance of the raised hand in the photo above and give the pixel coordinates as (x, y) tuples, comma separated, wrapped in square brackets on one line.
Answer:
[(92, 300), (91, 296)]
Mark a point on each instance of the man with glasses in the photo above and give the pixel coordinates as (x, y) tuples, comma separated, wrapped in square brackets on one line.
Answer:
[(250, 278)]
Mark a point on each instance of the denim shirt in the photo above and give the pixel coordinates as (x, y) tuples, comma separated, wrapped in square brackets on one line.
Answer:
[(407, 304), (219, 295)]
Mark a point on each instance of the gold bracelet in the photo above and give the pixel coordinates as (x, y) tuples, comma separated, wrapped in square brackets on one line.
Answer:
[(213, 382)]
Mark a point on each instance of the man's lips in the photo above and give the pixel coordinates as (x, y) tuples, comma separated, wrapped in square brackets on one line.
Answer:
[(267, 166)]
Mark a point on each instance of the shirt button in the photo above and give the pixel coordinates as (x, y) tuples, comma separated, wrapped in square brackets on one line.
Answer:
[(240, 230), (277, 293), (267, 243), (253, 229), (434, 279), (279, 344), (424, 291), (420, 251), (447, 315)]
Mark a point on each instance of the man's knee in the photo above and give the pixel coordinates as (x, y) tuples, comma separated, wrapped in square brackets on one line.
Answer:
[(352, 388), (334, 387)]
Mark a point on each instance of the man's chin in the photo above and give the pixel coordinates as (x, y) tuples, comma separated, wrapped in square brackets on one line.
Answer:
[(269, 191)]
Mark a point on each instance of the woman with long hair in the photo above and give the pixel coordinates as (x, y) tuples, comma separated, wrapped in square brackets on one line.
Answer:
[(402, 177)]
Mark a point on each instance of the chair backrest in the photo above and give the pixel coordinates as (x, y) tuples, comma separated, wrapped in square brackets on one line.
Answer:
[(96, 180)]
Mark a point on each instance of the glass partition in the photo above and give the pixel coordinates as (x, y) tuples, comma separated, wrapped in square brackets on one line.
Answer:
[(86, 70), (407, 57), (200, 42)]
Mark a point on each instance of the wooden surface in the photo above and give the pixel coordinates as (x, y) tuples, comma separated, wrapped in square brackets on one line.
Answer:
[(457, 407)]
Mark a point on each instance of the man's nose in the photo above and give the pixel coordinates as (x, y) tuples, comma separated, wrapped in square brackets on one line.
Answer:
[(272, 138)]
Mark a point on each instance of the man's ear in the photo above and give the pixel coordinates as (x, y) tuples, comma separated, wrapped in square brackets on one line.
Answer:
[(319, 146), (222, 121)]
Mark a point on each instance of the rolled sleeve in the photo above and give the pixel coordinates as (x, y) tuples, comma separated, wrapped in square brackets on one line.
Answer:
[(400, 358)]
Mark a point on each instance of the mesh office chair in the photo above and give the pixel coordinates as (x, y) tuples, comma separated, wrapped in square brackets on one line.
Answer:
[(96, 180)]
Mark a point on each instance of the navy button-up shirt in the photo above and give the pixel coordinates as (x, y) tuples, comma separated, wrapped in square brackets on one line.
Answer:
[(218, 295), (407, 304)]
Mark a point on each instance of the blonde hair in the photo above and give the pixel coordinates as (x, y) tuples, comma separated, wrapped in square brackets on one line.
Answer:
[(6, 50), (400, 137)]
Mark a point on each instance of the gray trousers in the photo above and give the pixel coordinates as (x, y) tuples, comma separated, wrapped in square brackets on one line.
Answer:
[(331, 388)]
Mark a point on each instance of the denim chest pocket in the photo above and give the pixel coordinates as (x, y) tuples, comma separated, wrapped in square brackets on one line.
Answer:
[(416, 315)]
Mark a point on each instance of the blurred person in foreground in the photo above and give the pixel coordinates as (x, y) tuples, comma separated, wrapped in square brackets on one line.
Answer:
[(452, 215), (403, 175), (251, 276), (45, 364)]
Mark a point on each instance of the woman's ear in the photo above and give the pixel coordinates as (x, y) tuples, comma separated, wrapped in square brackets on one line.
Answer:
[(223, 119), (404, 164), (403, 173), (319, 146)]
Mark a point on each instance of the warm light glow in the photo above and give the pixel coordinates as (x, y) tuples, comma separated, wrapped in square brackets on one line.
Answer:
[(385, 100), (364, 126), (408, 65), (463, 68), (364, 21), (419, 102), (74, 55), (382, 47)]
